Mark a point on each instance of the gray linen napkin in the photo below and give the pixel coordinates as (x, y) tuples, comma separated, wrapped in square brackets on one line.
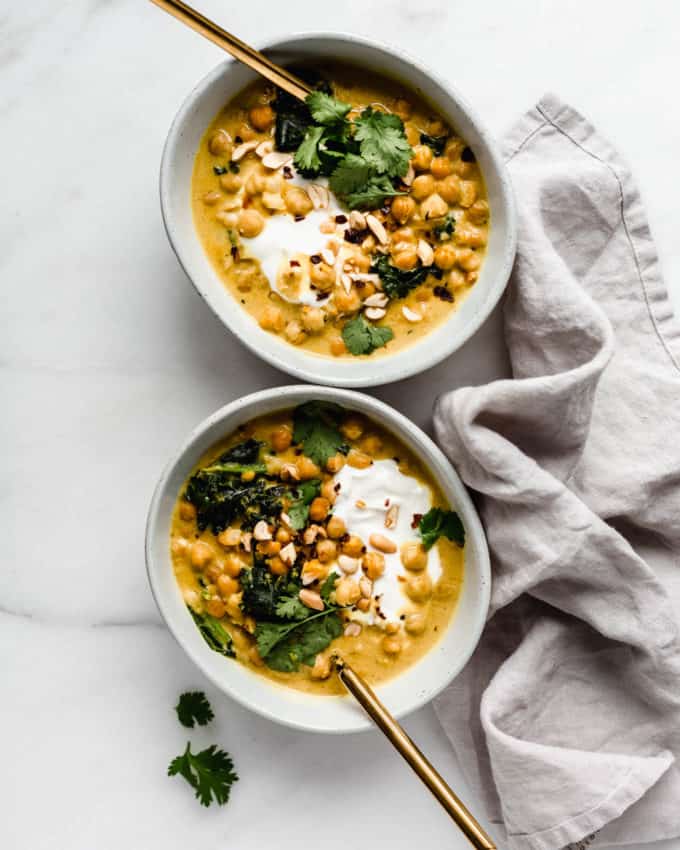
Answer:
[(567, 718)]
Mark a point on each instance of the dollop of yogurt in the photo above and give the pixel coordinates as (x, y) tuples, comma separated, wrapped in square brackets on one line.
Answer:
[(363, 501), (284, 239)]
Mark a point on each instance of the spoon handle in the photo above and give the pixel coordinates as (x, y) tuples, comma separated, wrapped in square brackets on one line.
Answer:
[(238, 49), (408, 750)]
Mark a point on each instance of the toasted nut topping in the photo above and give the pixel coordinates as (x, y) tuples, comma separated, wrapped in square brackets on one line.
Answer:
[(382, 543), (290, 470), (360, 504), (246, 541), (264, 147), (392, 516), (365, 587), (425, 252), (348, 565), (310, 534), (319, 196), (346, 281), (378, 299), (357, 220), (375, 313), (328, 256), (411, 315), (243, 149), (367, 277), (261, 531), (288, 554), (311, 599), (377, 229), (352, 630), (285, 519), (276, 159), (409, 177)]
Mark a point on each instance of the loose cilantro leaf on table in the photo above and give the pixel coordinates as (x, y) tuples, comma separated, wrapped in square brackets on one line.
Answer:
[(383, 142), (397, 283), (316, 428), (214, 633), (361, 337), (305, 494), (440, 523), (193, 707), (209, 772), (436, 143)]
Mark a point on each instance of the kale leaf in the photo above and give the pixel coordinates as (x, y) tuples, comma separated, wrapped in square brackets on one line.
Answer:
[(437, 523), (436, 143), (214, 633), (362, 337), (209, 772), (397, 283), (305, 493), (316, 429), (193, 707), (446, 228)]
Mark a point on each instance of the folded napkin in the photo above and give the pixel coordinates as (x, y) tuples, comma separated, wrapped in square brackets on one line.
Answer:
[(567, 718)]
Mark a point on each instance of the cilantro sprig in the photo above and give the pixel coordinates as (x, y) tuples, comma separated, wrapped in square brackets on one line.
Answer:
[(361, 337), (316, 427), (438, 523), (193, 707), (209, 772)]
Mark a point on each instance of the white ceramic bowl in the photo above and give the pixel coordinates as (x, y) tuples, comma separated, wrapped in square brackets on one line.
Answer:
[(403, 694), (199, 109)]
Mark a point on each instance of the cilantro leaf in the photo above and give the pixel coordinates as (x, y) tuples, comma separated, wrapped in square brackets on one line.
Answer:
[(326, 109), (284, 646), (328, 587), (397, 283), (351, 175), (316, 428), (361, 337), (307, 155), (298, 512), (440, 523), (194, 706), (210, 773), (372, 194), (436, 143), (446, 228), (383, 142), (290, 608), (214, 633)]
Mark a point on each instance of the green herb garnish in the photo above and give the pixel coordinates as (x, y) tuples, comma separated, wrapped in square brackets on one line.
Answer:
[(305, 493), (210, 773), (397, 283), (193, 707), (440, 523), (214, 633), (316, 428), (446, 228), (436, 143), (362, 337)]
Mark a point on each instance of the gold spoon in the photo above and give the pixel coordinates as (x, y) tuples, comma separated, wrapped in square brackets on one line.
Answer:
[(238, 49), (401, 741)]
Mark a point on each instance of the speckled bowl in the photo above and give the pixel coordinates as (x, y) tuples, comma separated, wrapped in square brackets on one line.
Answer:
[(407, 691), (199, 109)]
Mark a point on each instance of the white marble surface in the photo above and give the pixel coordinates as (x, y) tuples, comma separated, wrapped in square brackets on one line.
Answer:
[(108, 358)]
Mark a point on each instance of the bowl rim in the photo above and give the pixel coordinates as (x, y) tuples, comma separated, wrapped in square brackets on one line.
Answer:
[(394, 420), (360, 377)]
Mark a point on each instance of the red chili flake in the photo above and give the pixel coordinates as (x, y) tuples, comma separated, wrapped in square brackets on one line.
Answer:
[(238, 140), (415, 522), (235, 254), (299, 217), (341, 219), (337, 487), (287, 173), (387, 503), (315, 258), (294, 263)]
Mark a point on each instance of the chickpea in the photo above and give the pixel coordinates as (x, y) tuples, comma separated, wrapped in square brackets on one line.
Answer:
[(361, 262), (337, 346), (322, 275), (353, 546), (456, 279), (179, 545), (214, 571), (318, 510), (200, 554), (412, 135), (422, 157), (402, 208), (478, 213), (359, 460), (392, 628), (248, 475), (250, 223), (371, 444), (449, 189), (328, 491), (314, 570), (272, 319), (454, 148), (306, 468), (347, 302), (352, 428), (326, 551), (413, 556), (281, 438), (295, 333), (322, 667), (283, 536), (187, 511), (336, 528), (334, 464), (256, 183), (347, 592), (269, 547), (423, 187), (419, 587), (445, 257), (232, 565), (220, 143), (215, 607), (434, 207), (441, 167), (312, 319), (415, 623), (391, 645), (364, 605), (437, 127), (298, 201), (211, 198), (468, 193), (373, 564), (468, 259), (261, 117), (463, 169), (276, 566), (403, 108), (227, 585), (406, 259), (468, 234), (231, 182), (229, 537)]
